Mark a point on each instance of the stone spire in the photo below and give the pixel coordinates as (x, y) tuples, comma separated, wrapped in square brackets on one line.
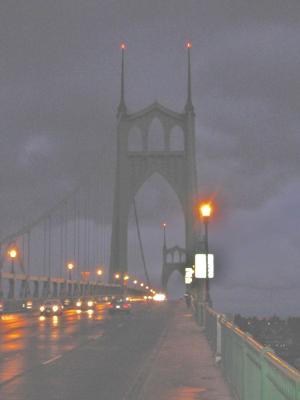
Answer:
[(189, 105), (165, 236), (122, 105)]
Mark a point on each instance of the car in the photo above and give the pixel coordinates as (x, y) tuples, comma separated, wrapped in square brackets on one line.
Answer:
[(119, 305), (67, 303), (51, 307), (85, 304), (27, 305)]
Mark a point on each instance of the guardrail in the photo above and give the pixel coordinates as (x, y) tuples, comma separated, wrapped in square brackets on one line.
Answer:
[(21, 288), (253, 371)]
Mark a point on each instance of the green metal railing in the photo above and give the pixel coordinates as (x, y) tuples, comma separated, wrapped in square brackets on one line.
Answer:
[(253, 371)]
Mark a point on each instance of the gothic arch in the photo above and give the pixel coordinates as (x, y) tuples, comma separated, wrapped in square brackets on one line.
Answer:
[(170, 271), (135, 139), (176, 139), (156, 136), (142, 178)]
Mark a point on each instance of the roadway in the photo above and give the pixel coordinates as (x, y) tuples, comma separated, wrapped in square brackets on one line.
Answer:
[(79, 356)]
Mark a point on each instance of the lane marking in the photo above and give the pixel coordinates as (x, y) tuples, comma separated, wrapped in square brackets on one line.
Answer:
[(52, 360), (95, 337)]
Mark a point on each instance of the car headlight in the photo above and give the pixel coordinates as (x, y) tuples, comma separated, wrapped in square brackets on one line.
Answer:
[(42, 308), (159, 297), (55, 308), (78, 304), (90, 303)]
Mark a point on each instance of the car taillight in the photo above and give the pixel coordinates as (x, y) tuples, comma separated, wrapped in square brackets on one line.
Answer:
[(126, 306)]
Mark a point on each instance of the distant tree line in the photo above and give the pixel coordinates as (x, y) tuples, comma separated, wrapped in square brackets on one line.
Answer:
[(282, 335)]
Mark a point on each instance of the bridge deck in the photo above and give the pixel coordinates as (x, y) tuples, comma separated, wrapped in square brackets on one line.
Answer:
[(184, 367)]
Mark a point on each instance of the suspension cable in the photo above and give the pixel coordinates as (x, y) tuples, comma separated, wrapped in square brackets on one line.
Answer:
[(49, 252), (28, 252), (140, 242), (61, 242), (44, 246)]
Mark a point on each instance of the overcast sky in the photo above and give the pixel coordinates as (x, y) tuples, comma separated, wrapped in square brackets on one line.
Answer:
[(59, 92)]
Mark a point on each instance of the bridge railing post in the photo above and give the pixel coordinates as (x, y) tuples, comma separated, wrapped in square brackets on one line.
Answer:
[(36, 289), (219, 340)]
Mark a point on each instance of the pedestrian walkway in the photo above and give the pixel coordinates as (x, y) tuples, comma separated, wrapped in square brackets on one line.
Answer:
[(184, 366)]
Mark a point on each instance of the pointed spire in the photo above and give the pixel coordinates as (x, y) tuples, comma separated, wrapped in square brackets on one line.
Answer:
[(122, 106), (189, 105), (165, 236)]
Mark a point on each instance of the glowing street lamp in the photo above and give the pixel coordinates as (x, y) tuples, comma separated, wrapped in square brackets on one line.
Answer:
[(205, 210), (117, 276), (142, 285), (135, 282), (99, 273), (70, 267), (13, 253)]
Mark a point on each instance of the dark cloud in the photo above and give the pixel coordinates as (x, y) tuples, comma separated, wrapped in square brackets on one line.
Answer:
[(60, 67)]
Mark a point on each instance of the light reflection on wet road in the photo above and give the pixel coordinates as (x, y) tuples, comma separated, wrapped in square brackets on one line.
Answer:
[(27, 340), (77, 356)]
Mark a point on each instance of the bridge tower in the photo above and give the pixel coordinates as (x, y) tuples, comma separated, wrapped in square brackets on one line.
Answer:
[(136, 165)]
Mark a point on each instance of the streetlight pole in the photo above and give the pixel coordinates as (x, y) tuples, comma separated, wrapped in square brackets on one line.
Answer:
[(206, 211), (70, 267), (13, 254), (207, 297), (12, 265), (99, 273)]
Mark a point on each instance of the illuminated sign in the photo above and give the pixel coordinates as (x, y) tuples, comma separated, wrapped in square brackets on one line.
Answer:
[(200, 266), (188, 279)]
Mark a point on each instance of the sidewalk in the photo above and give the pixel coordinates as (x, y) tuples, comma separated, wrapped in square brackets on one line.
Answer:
[(184, 368)]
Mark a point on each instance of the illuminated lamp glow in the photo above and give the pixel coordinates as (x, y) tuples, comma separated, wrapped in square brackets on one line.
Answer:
[(13, 253), (159, 297), (205, 210)]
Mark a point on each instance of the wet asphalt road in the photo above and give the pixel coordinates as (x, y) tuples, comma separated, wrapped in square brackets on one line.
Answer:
[(79, 356)]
